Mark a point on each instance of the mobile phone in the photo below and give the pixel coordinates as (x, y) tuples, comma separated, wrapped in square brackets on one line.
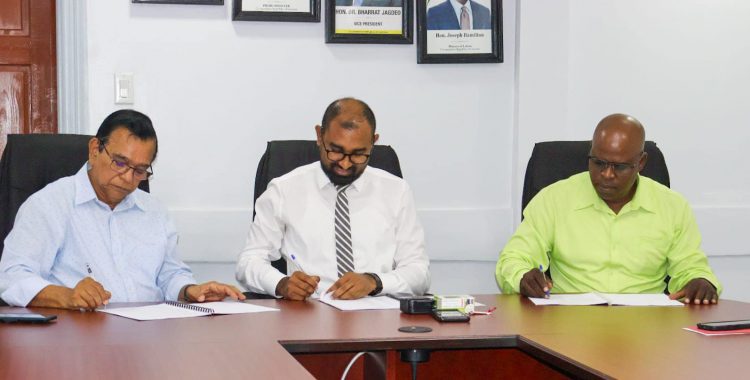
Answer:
[(725, 325), (26, 317), (450, 316)]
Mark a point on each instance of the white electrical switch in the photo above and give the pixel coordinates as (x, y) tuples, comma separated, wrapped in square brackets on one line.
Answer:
[(124, 88)]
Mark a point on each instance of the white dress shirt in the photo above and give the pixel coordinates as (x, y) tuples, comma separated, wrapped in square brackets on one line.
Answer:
[(294, 217)]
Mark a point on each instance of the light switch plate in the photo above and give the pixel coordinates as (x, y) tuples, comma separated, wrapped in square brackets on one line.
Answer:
[(124, 88)]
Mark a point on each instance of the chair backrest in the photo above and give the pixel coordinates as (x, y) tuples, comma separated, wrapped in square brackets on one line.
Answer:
[(552, 161), (30, 162), (281, 157)]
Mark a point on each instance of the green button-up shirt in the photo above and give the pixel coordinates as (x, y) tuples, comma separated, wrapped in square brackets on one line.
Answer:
[(587, 247)]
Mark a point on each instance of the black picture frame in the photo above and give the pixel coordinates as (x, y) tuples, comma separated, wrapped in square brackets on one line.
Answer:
[(465, 40), (407, 27), (312, 16), (188, 2)]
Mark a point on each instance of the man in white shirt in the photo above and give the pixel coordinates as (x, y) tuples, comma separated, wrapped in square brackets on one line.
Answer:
[(343, 227)]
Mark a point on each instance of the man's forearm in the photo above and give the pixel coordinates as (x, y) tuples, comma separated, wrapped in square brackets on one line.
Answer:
[(53, 296)]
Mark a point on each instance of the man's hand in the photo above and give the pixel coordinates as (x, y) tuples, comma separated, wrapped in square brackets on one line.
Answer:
[(212, 291), (535, 284), (352, 286), (698, 290), (298, 286), (88, 294)]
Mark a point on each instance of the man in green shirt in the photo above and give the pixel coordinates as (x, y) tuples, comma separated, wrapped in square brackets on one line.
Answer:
[(609, 230)]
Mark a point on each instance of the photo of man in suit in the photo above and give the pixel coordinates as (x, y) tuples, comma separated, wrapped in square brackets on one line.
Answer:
[(458, 15), (369, 3)]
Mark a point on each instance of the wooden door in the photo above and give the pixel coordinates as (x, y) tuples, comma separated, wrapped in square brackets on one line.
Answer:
[(28, 78)]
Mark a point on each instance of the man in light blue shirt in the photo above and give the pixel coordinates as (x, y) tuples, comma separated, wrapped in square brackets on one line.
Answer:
[(94, 237)]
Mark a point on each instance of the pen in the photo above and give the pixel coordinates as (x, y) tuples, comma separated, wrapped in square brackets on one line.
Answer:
[(91, 274), (296, 263), (541, 269)]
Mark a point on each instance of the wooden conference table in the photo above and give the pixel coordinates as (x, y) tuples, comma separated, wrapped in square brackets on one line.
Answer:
[(310, 339)]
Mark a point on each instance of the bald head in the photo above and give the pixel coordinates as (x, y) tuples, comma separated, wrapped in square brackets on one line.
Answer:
[(620, 132), (615, 159), (360, 111)]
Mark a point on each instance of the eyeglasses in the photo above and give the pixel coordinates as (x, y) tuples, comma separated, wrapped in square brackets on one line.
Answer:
[(122, 167), (618, 167), (355, 158)]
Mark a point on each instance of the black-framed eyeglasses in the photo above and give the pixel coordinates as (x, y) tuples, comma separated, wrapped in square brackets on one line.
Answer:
[(618, 167), (122, 167), (355, 158)]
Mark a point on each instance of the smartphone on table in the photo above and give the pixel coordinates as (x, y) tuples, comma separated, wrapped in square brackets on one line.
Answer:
[(26, 317), (725, 325)]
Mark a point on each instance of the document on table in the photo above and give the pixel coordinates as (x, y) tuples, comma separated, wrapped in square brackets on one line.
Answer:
[(171, 310), (613, 299), (365, 303)]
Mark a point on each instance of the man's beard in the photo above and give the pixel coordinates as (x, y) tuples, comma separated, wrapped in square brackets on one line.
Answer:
[(340, 180)]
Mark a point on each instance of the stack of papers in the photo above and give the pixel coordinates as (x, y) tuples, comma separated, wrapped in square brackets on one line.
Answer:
[(584, 299), (366, 303), (170, 310)]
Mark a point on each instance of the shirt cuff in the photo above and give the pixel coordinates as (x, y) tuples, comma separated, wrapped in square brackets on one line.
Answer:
[(390, 283), (270, 281), (22, 292), (172, 292)]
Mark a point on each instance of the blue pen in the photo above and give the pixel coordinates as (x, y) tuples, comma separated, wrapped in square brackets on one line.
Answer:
[(296, 262), (541, 269)]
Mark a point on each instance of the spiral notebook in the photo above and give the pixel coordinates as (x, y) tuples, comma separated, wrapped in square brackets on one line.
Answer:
[(171, 310)]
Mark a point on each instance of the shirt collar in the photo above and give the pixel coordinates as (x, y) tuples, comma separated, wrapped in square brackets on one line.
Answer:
[(85, 192), (457, 6), (322, 179), (643, 197)]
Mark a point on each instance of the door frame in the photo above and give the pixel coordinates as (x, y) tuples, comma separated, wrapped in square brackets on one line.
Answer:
[(72, 67)]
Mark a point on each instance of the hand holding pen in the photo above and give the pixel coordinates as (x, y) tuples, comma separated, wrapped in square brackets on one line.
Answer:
[(88, 294), (299, 285), (535, 284)]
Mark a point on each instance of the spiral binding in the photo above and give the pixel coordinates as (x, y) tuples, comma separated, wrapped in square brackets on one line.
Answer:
[(191, 307)]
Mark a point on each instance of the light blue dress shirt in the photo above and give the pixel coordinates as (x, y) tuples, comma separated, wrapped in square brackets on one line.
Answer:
[(63, 229)]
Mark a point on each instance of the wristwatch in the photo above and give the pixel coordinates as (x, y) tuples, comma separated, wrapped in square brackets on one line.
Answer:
[(378, 284)]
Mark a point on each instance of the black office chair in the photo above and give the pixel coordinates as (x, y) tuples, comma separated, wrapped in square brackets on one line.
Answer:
[(552, 161), (29, 163), (281, 157)]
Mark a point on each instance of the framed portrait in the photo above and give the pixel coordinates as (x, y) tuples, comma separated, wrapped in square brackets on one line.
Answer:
[(369, 21), (276, 10), (459, 31), (199, 2)]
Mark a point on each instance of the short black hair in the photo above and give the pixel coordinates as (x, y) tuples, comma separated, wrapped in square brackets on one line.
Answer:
[(135, 122), (334, 109)]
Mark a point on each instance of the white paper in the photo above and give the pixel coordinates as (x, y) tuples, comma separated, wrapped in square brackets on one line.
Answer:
[(166, 311), (658, 299), (584, 299), (365, 303), (230, 307), (570, 299), (153, 312)]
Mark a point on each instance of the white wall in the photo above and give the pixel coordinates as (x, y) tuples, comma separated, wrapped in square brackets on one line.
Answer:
[(217, 90)]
